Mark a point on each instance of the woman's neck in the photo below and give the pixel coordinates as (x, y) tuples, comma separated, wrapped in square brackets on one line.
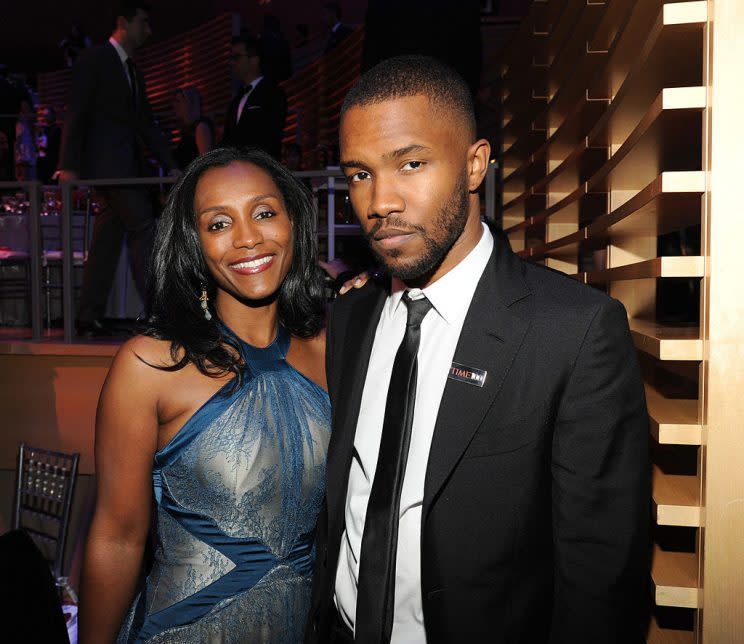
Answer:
[(256, 324)]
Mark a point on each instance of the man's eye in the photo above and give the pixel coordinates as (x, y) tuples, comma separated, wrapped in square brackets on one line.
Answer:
[(359, 176), (413, 165)]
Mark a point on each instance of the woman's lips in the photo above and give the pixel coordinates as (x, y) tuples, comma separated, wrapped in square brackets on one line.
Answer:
[(253, 265)]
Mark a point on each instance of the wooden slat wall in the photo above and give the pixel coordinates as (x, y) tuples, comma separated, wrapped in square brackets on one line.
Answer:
[(200, 57), (607, 156), (315, 95)]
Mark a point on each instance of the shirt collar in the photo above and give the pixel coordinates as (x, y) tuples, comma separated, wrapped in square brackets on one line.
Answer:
[(252, 85), (451, 294), (119, 49)]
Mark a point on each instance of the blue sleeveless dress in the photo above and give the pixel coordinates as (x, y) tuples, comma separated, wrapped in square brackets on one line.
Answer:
[(237, 492)]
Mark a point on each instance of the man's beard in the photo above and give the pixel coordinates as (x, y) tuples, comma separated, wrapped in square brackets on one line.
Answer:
[(443, 232)]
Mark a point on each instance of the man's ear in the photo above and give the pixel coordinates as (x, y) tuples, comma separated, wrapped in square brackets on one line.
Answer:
[(479, 154)]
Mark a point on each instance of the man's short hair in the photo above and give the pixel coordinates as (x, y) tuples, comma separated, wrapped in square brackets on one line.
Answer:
[(252, 45), (127, 9), (405, 76)]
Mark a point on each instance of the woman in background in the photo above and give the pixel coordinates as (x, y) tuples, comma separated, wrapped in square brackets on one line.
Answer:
[(213, 423), (197, 131)]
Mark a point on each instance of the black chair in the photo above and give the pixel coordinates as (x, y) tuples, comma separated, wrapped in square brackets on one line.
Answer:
[(51, 242), (45, 484)]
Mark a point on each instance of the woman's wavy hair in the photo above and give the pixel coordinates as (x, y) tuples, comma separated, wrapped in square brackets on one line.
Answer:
[(178, 271)]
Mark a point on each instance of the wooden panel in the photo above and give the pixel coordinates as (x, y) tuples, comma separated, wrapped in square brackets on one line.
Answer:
[(666, 342), (673, 421), (675, 579), (676, 499), (653, 268), (659, 635), (722, 316), (666, 139)]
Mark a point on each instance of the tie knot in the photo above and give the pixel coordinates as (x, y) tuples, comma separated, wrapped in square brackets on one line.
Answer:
[(417, 309)]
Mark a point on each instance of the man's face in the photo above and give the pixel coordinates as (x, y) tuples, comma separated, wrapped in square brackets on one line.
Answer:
[(244, 65), (407, 168), (138, 29)]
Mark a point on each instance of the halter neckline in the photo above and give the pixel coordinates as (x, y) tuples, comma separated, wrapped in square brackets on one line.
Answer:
[(277, 348)]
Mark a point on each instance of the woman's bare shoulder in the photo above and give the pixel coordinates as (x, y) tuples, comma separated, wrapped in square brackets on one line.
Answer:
[(143, 357)]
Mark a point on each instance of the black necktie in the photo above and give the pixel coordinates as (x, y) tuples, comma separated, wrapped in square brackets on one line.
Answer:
[(376, 588), (246, 90), (132, 80)]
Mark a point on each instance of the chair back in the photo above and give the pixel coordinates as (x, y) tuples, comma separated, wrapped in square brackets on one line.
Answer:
[(45, 484)]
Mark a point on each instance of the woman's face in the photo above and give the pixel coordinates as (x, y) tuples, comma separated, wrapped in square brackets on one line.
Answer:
[(244, 229)]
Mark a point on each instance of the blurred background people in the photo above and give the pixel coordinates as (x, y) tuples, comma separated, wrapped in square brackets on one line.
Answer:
[(48, 141), (25, 145), (338, 30), (73, 44), (256, 115), (197, 131)]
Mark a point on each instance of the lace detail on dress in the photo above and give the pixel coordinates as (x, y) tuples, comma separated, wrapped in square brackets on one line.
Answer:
[(183, 564), (252, 617)]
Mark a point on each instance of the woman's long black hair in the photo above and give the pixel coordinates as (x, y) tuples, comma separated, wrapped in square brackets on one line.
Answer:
[(178, 271)]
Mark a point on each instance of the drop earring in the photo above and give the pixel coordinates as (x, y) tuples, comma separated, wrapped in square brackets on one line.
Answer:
[(204, 299)]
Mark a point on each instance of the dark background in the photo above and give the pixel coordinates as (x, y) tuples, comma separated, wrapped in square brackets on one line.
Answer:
[(31, 31)]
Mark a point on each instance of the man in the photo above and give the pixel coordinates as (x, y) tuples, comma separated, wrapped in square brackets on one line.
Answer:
[(256, 115), (338, 30), (487, 474), (108, 118)]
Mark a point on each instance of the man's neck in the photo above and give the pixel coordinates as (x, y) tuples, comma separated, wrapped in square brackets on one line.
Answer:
[(120, 38), (247, 80)]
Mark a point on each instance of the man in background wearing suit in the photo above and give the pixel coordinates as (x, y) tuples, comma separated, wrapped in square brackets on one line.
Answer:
[(256, 115), (108, 119), (487, 476)]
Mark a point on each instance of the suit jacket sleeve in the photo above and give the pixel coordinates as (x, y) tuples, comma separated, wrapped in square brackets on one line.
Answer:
[(601, 490), (79, 104)]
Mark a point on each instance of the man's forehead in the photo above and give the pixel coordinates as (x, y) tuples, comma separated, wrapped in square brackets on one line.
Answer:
[(409, 118)]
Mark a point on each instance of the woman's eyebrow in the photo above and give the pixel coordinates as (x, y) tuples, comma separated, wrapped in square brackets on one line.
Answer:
[(257, 198)]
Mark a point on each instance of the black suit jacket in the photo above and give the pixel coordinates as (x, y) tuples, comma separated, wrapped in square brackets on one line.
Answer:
[(104, 130), (536, 501), (261, 121)]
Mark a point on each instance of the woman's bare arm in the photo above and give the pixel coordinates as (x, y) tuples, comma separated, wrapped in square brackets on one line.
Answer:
[(126, 441)]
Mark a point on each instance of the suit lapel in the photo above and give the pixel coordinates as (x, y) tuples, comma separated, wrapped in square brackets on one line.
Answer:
[(490, 339), (252, 100), (118, 71), (352, 363)]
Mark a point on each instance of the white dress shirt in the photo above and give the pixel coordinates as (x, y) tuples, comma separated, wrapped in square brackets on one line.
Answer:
[(123, 57), (450, 296), (248, 92)]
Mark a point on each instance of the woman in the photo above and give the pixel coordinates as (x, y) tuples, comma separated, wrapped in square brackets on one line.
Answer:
[(197, 131), (220, 408)]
